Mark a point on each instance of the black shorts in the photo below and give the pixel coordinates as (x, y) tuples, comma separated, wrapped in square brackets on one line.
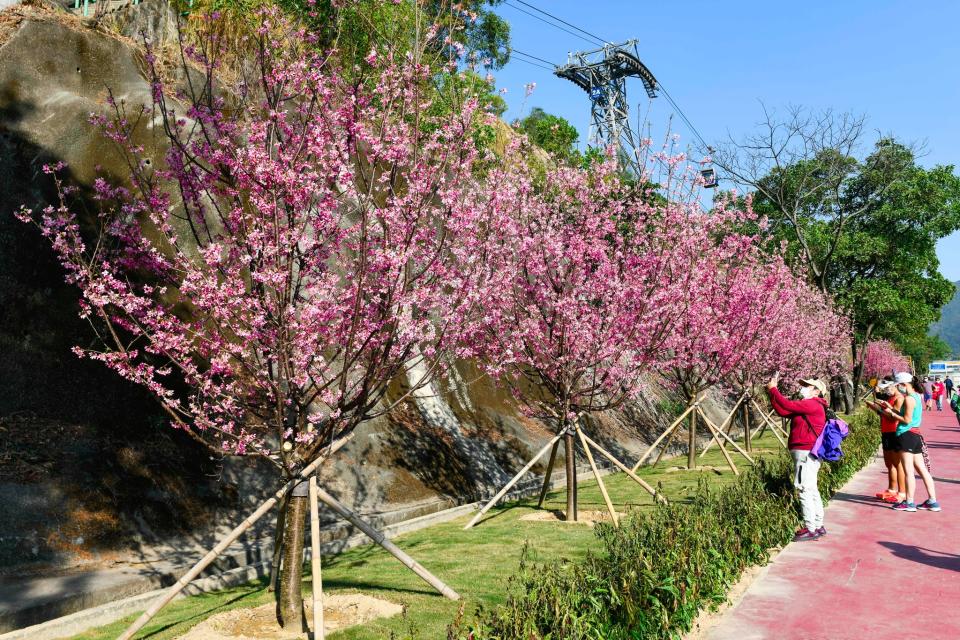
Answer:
[(910, 442), (890, 441)]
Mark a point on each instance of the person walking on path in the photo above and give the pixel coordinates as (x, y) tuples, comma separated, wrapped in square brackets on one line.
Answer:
[(939, 391), (807, 419), (948, 384), (889, 398), (909, 418), (928, 393)]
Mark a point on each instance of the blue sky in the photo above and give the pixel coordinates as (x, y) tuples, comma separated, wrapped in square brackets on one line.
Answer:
[(896, 62)]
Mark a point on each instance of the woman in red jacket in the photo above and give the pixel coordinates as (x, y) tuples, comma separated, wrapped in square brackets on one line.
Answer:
[(807, 416)]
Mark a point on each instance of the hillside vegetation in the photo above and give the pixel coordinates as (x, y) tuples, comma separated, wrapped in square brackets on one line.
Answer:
[(948, 328)]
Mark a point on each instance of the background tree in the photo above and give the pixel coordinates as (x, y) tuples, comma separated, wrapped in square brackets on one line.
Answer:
[(864, 229), (553, 134), (883, 358)]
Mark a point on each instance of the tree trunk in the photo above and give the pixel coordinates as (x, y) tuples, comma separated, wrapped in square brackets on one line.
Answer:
[(278, 544), (747, 439), (859, 351), (692, 442), (571, 477), (290, 613)]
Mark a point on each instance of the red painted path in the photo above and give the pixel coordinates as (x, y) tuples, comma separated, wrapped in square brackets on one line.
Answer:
[(879, 574)]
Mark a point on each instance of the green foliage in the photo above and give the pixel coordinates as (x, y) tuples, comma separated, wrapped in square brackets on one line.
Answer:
[(553, 134), (868, 234), (355, 28), (474, 25), (924, 349), (653, 574)]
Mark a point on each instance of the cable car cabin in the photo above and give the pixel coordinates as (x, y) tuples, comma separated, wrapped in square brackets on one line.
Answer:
[(709, 178)]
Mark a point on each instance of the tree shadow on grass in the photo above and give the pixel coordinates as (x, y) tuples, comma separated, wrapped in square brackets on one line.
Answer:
[(929, 557)]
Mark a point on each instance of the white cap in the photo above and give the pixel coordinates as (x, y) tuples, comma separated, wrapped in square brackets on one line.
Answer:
[(816, 384), (885, 384), (903, 378)]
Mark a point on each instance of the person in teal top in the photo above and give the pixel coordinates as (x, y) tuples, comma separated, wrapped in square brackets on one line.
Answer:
[(916, 419), (910, 444)]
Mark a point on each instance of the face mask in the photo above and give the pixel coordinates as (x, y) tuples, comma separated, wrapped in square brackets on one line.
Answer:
[(901, 389), (807, 392)]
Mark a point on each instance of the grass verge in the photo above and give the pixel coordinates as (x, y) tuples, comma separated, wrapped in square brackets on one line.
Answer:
[(507, 569)]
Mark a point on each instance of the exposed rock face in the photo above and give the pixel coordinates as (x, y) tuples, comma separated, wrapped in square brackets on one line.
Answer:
[(80, 446)]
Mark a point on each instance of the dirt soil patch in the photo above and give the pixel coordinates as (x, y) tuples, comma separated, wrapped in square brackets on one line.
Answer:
[(260, 623), (583, 517)]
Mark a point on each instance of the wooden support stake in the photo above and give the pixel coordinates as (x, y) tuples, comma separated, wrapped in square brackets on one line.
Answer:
[(767, 421), (384, 542), (726, 454), (716, 437), (728, 419), (609, 456), (596, 474), (513, 480), (316, 589), (666, 445), (747, 440), (726, 437), (548, 474), (663, 435), (231, 537)]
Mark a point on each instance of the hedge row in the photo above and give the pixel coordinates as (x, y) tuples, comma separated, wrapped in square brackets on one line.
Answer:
[(652, 575)]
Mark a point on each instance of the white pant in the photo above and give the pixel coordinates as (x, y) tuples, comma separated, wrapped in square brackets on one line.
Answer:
[(805, 469)]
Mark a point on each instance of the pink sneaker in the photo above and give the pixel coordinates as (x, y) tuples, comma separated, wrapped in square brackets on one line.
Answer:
[(804, 535)]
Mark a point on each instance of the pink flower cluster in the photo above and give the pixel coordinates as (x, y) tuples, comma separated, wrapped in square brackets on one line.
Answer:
[(882, 358)]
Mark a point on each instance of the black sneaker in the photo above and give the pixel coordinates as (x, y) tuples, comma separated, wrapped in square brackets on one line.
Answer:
[(821, 531)]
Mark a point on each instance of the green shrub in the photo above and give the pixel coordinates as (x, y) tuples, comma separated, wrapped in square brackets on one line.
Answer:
[(652, 575)]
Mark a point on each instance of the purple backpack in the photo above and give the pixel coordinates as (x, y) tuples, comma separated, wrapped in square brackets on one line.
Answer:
[(827, 445)]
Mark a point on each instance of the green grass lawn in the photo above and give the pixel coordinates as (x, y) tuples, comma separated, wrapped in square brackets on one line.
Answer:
[(476, 563)]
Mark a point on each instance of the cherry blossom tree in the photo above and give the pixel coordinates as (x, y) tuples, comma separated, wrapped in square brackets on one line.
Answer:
[(307, 240), (584, 296), (883, 358)]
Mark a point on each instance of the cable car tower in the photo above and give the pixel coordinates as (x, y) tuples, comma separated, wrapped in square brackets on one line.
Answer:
[(603, 74)]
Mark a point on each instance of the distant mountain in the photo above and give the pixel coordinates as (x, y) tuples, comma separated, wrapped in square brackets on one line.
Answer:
[(949, 326)]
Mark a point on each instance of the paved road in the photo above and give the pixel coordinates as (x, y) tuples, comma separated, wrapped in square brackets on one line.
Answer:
[(878, 575)]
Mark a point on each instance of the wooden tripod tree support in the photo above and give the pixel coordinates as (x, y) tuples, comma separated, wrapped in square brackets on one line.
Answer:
[(669, 430), (693, 411), (729, 420), (231, 537), (587, 445), (767, 421)]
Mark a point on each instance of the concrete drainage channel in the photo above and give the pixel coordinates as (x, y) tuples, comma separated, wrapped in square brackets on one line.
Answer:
[(98, 607)]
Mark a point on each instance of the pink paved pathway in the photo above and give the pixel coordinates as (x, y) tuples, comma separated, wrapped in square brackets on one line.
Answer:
[(879, 574)]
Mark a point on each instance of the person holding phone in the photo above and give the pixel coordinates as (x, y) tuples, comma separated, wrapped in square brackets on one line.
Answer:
[(888, 397), (909, 418), (808, 415)]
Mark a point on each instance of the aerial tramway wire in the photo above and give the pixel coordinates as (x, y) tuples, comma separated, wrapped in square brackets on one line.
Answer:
[(536, 17)]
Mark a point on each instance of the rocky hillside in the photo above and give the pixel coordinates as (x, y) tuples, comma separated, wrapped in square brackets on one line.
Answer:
[(88, 467)]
